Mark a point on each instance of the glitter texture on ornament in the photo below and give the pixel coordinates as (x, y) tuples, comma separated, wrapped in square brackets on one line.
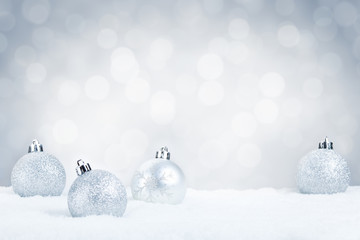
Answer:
[(323, 171), (38, 173), (96, 192)]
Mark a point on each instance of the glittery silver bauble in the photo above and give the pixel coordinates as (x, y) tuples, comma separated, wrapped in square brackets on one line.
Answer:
[(323, 171), (159, 180), (96, 192), (38, 173)]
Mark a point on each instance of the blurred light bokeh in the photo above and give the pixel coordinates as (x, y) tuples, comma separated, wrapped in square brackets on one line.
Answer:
[(238, 90)]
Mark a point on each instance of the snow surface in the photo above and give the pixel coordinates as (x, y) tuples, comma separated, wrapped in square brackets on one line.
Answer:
[(224, 214)]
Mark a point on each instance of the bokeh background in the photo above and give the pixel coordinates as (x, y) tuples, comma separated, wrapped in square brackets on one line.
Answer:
[(239, 90)]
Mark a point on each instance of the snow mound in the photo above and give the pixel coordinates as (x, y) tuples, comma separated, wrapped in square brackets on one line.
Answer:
[(224, 214)]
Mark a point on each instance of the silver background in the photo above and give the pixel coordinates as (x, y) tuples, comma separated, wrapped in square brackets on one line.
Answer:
[(204, 88)]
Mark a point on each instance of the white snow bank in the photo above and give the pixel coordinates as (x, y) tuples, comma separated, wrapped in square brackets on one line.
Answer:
[(226, 214)]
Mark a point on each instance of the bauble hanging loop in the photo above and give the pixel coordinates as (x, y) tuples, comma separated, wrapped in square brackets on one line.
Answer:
[(323, 171), (82, 167), (159, 180), (326, 144), (96, 192), (163, 153), (38, 173), (35, 147)]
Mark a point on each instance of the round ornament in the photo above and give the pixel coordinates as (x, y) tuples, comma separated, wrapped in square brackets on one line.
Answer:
[(38, 173), (96, 192), (323, 171), (159, 180)]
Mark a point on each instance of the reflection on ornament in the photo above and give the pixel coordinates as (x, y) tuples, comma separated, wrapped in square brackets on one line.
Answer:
[(159, 180), (38, 173), (323, 171), (96, 192)]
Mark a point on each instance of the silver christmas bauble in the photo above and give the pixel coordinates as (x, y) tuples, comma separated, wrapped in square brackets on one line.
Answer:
[(323, 171), (96, 192), (38, 173), (159, 180)]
